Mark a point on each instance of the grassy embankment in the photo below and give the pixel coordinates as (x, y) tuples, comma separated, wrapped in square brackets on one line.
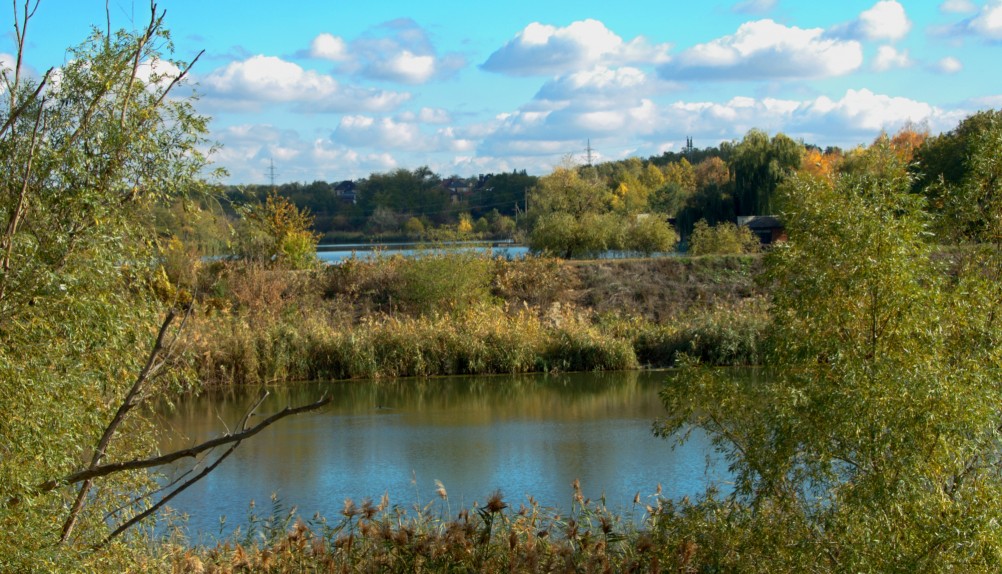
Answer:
[(466, 314)]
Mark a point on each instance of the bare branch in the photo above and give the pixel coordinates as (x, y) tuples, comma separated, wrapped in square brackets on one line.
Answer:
[(204, 472), (178, 79), (139, 464), (160, 503), (123, 409), (16, 113)]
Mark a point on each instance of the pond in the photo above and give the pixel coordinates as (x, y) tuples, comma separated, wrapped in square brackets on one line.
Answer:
[(524, 435), (334, 253)]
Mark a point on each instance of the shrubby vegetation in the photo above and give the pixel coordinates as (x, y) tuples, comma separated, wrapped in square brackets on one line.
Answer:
[(722, 239)]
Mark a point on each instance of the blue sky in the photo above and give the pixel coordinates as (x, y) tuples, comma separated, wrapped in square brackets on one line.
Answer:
[(337, 90)]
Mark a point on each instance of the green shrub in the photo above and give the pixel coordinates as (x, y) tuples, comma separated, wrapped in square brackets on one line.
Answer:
[(725, 238), (437, 282)]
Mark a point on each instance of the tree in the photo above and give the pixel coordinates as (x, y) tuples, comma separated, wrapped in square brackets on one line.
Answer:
[(874, 445), (566, 190), (86, 159), (759, 165), (960, 174), (277, 230)]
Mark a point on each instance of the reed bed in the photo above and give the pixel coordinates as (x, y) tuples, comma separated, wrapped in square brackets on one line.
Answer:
[(492, 536), (399, 318)]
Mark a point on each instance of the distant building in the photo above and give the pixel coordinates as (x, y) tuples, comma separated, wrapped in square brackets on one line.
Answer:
[(345, 191), (768, 228), (458, 188)]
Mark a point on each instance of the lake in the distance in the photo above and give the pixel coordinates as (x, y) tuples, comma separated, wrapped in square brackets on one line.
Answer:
[(525, 435)]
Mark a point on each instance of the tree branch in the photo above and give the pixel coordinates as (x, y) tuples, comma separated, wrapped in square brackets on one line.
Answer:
[(126, 405), (205, 471), (139, 464)]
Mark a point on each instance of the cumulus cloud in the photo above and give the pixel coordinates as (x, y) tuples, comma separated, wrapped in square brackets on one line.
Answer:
[(888, 57), (403, 133), (856, 117), (764, 49), (329, 47), (600, 83), (397, 51), (885, 21), (158, 72), (988, 21), (541, 49), (257, 80), (754, 6), (948, 65), (427, 115), (248, 150)]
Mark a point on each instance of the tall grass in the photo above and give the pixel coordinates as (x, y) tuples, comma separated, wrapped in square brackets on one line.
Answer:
[(493, 536), (451, 315)]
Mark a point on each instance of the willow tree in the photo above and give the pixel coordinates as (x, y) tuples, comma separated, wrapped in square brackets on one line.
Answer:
[(87, 151), (873, 444)]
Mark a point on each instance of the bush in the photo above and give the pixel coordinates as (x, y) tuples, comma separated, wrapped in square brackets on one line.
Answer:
[(725, 238), (442, 281), (649, 235)]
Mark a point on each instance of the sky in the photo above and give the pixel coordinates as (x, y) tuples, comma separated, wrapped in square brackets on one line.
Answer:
[(333, 90)]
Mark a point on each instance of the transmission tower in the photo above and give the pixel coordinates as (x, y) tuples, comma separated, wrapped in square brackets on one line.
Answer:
[(589, 150), (271, 173)]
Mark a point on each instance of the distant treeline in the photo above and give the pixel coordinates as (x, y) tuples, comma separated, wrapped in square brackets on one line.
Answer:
[(716, 184)]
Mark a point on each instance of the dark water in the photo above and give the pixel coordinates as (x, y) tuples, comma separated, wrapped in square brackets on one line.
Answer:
[(529, 435)]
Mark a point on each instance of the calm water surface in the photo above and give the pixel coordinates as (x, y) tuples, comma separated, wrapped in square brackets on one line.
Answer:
[(523, 435)]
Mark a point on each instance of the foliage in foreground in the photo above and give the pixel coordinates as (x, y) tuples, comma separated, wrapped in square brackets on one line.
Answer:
[(490, 537), (874, 446)]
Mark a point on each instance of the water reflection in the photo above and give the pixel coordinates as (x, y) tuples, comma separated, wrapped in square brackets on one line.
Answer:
[(523, 435)]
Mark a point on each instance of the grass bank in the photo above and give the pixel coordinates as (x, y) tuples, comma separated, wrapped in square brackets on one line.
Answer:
[(447, 314)]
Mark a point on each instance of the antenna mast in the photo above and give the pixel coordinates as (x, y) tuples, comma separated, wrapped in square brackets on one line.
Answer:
[(589, 150)]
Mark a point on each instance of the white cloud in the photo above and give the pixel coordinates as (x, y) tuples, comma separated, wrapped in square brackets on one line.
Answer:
[(988, 22), (948, 65), (427, 116), (865, 111), (403, 133), (249, 149), (599, 82), (266, 79), (160, 72), (541, 49), (329, 47), (754, 6), (988, 101), (7, 61), (371, 132), (958, 6), (398, 51), (764, 49), (885, 21), (889, 58)]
